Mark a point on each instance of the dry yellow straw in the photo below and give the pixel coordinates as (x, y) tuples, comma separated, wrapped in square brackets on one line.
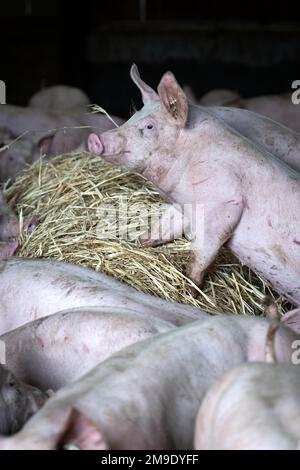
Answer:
[(74, 196)]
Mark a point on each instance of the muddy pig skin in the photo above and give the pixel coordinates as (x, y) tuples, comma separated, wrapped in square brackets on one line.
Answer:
[(54, 351), (32, 288), (254, 406), (18, 402), (241, 194), (147, 395)]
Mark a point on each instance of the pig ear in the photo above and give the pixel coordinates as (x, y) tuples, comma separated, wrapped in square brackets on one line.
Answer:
[(292, 319), (148, 94), (173, 99)]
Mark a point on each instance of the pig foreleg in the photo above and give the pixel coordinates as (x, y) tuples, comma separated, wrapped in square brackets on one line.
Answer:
[(217, 228), (172, 224)]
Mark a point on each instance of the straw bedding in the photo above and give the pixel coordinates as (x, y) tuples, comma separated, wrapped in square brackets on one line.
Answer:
[(74, 196)]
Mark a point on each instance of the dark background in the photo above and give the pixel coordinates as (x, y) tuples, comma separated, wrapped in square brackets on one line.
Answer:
[(252, 47)]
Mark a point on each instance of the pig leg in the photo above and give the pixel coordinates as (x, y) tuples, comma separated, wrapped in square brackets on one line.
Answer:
[(218, 226), (172, 224)]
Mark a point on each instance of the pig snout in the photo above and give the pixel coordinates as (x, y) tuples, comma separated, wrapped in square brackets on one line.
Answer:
[(110, 145), (95, 145)]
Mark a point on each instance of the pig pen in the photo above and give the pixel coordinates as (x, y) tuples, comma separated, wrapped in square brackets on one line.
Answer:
[(81, 202)]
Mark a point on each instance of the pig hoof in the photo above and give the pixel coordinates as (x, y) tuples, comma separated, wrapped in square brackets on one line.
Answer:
[(94, 144)]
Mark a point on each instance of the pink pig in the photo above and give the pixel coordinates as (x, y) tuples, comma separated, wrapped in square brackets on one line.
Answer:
[(248, 198)]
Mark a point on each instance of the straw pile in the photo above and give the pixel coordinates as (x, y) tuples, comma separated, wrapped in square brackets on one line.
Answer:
[(73, 196)]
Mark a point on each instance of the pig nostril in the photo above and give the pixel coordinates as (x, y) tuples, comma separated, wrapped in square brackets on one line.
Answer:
[(95, 144)]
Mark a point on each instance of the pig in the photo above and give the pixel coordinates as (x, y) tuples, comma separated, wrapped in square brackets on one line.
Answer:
[(253, 205), (147, 395), (218, 97), (35, 132), (279, 108), (59, 98), (53, 351), (253, 407), (18, 402), (10, 228), (33, 288), (15, 155)]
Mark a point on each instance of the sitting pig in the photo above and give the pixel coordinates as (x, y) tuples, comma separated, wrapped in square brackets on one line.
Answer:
[(240, 194), (254, 406), (33, 288), (53, 351), (147, 395), (18, 402)]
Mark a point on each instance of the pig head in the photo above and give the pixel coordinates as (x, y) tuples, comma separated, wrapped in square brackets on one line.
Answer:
[(59, 98), (148, 141)]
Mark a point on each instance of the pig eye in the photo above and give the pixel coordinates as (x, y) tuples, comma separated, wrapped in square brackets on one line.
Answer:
[(150, 126)]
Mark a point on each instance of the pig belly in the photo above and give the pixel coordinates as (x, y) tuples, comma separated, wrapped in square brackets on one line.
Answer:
[(274, 258), (54, 351)]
